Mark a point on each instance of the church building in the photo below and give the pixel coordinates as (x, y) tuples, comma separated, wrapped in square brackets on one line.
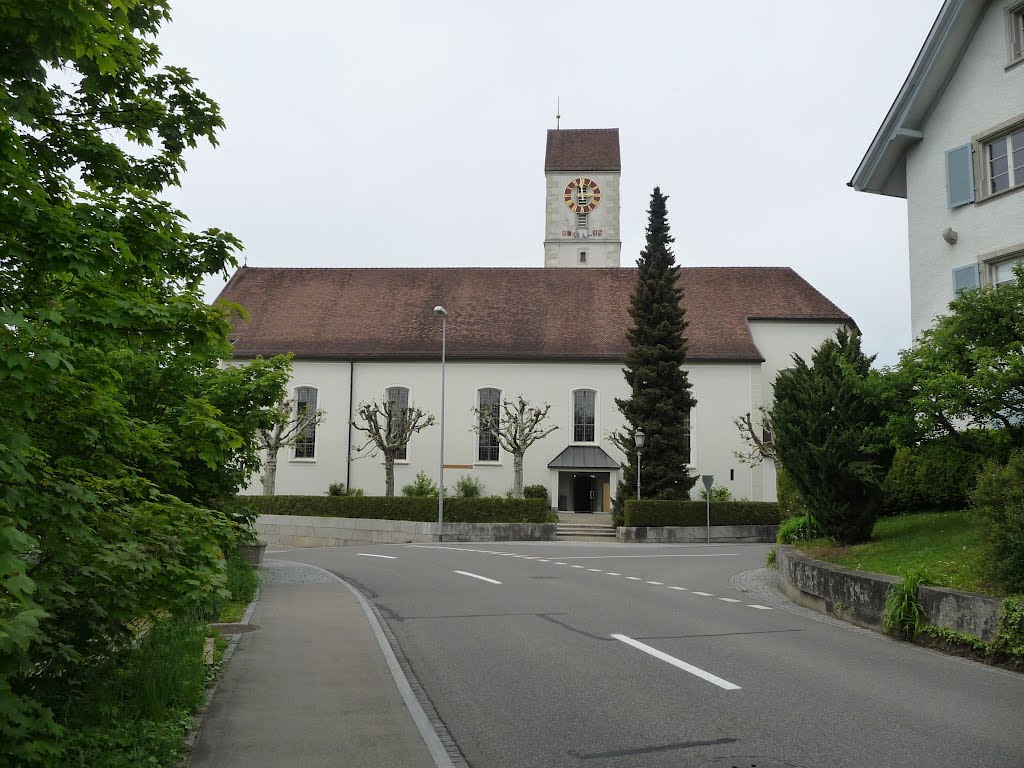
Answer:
[(554, 334)]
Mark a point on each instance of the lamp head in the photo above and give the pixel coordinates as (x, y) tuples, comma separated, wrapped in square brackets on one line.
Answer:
[(440, 311), (639, 437)]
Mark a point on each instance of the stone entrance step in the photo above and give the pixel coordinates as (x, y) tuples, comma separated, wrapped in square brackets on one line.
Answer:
[(584, 530)]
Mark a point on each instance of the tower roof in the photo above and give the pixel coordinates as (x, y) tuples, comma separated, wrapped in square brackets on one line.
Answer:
[(584, 149)]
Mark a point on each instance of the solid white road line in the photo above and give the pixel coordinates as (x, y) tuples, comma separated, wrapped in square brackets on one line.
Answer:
[(760, 607), (713, 679), (367, 554), (702, 594), (475, 576)]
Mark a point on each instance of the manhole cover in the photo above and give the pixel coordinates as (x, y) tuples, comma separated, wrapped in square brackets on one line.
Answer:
[(233, 629), (748, 761)]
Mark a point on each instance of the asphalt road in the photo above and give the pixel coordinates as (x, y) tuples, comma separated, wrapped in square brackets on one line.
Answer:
[(571, 654)]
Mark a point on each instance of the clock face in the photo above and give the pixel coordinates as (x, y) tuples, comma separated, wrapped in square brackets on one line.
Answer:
[(582, 195)]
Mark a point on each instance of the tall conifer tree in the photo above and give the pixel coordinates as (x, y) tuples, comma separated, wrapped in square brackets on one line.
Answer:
[(661, 399)]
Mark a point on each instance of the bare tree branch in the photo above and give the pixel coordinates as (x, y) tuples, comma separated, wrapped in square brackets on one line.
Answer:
[(389, 427)]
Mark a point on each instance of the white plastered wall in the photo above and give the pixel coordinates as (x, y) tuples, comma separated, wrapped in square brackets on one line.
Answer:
[(982, 94)]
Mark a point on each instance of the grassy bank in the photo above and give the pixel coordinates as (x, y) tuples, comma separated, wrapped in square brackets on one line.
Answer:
[(137, 709), (946, 547)]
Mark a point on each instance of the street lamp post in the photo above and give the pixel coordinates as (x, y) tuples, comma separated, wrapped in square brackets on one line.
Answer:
[(639, 438), (439, 310)]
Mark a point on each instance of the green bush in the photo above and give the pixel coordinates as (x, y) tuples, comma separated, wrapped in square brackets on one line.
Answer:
[(414, 508), (718, 493), (935, 476), (999, 499), (656, 513), (536, 492), (790, 503), (469, 488), (339, 489), (794, 529), (903, 613), (421, 486)]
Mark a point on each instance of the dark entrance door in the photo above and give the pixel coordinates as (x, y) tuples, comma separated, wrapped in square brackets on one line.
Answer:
[(583, 489)]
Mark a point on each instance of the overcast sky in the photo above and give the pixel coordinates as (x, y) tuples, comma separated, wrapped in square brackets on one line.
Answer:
[(413, 133)]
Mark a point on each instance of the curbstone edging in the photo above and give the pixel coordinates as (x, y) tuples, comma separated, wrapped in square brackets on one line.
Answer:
[(721, 534)]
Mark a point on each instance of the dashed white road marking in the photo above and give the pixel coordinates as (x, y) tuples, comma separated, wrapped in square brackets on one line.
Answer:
[(702, 674), (612, 573), (595, 570), (728, 600), (559, 563), (760, 607), (544, 561), (477, 576), (634, 578), (703, 594), (680, 589), (657, 583), (367, 554), (619, 557)]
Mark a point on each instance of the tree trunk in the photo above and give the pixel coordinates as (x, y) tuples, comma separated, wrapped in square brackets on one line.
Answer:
[(270, 474), (389, 475), (517, 476)]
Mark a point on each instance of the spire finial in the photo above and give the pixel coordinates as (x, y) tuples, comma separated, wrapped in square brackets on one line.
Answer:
[(558, 114)]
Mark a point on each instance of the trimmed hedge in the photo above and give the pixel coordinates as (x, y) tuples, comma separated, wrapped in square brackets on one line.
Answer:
[(414, 508), (656, 513)]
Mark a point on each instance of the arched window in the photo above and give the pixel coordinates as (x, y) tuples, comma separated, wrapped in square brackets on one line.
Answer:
[(490, 410), (584, 406), (305, 404), (399, 398)]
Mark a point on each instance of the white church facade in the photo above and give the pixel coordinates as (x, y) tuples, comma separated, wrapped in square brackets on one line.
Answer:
[(550, 334)]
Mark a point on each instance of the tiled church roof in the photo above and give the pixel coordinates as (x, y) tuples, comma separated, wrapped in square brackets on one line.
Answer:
[(588, 149), (501, 313)]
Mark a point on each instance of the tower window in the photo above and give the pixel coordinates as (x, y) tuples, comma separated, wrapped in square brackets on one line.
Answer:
[(583, 257), (582, 221)]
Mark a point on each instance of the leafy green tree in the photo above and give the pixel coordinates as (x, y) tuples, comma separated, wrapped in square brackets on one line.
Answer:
[(119, 434), (827, 419), (965, 374), (661, 398)]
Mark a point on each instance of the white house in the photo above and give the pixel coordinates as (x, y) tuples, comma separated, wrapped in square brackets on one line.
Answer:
[(952, 144), (554, 335)]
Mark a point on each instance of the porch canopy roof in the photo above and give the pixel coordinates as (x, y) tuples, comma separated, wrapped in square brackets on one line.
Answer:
[(583, 457)]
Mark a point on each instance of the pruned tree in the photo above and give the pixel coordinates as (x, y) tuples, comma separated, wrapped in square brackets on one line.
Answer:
[(754, 432), (516, 425), (291, 423), (389, 426)]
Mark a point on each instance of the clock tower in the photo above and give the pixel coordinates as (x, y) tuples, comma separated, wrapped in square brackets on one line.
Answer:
[(581, 172)]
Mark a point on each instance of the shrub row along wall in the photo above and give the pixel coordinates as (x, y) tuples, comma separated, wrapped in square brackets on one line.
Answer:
[(859, 596), (657, 513), (312, 531), (412, 508)]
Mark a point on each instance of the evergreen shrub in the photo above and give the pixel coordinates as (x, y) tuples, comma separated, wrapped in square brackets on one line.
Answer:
[(999, 499), (412, 508), (657, 513), (536, 492)]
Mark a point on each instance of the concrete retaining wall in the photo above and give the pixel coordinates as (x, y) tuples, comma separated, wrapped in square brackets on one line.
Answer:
[(309, 531), (676, 534), (859, 596)]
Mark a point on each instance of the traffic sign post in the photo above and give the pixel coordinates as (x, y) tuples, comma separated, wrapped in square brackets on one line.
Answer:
[(708, 480)]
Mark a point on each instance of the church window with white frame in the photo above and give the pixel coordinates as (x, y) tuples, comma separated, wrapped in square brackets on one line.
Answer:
[(584, 415), (305, 404), (489, 403), (399, 398)]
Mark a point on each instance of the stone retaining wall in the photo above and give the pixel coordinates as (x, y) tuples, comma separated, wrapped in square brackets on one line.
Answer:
[(677, 534), (310, 531), (859, 596)]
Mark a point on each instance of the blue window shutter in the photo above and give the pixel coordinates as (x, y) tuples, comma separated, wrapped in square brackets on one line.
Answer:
[(966, 278), (960, 176)]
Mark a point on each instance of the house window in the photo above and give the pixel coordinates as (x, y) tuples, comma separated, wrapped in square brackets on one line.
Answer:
[(1016, 29), (583, 257), (583, 415), (305, 405), (490, 406), (1004, 162), (1002, 272), (399, 399)]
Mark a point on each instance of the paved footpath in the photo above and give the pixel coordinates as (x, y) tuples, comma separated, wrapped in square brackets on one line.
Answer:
[(311, 687)]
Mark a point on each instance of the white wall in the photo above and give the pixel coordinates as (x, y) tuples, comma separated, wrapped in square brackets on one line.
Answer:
[(982, 94)]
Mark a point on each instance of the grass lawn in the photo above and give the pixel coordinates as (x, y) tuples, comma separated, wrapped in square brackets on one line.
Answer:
[(945, 546)]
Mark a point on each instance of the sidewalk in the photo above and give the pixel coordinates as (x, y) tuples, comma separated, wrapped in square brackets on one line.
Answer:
[(310, 687)]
